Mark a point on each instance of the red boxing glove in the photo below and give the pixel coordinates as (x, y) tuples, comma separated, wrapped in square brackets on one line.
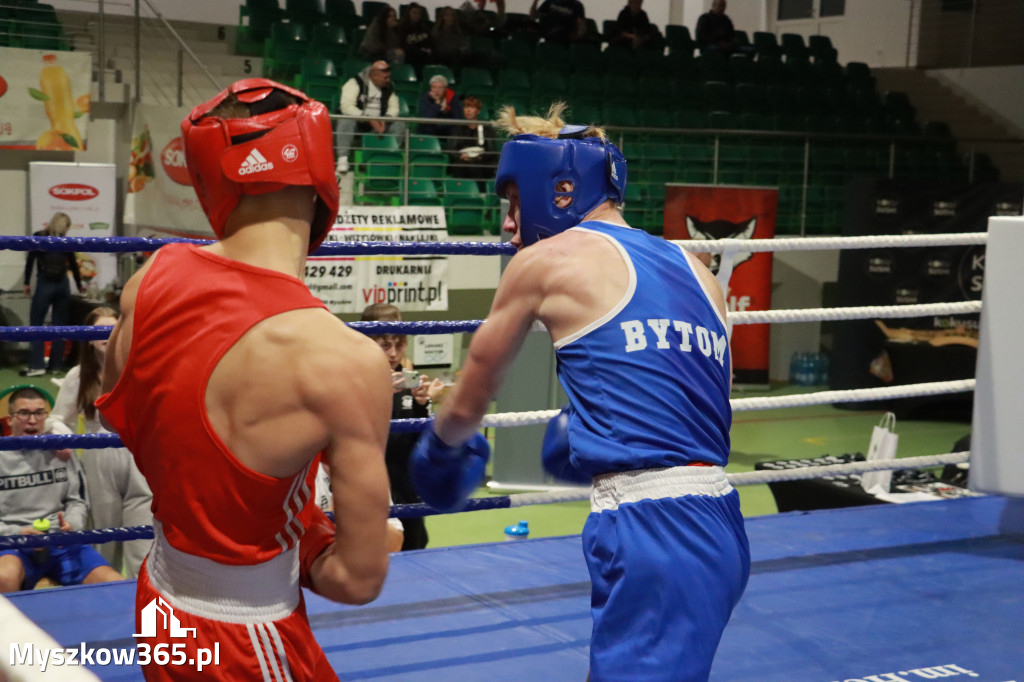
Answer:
[(318, 537)]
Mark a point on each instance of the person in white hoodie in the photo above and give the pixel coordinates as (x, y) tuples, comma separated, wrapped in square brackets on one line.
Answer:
[(371, 96), (42, 491), (118, 494)]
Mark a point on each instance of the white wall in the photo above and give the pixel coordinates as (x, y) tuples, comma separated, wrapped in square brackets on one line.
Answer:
[(871, 31), (999, 88)]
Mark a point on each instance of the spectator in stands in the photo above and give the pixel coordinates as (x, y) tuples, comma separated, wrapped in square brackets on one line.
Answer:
[(43, 487), (633, 28), (440, 101), (381, 40), (414, 34), (450, 42), (471, 147), (409, 403), (371, 96), (118, 493), (561, 21), (715, 32), (52, 292), (476, 21)]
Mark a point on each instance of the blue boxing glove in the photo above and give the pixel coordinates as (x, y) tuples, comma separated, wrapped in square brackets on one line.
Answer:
[(444, 476), (554, 454)]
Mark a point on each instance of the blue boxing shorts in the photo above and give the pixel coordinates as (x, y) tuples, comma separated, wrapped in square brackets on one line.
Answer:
[(668, 560), (66, 565)]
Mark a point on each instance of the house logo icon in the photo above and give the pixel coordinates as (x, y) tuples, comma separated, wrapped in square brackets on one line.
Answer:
[(167, 617)]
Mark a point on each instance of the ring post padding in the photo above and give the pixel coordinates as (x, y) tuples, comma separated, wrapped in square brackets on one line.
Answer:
[(997, 431)]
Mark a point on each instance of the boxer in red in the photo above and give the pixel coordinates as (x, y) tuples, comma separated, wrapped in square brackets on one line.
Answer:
[(226, 378)]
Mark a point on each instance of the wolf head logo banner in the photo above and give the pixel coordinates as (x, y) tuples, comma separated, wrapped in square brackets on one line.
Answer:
[(721, 229)]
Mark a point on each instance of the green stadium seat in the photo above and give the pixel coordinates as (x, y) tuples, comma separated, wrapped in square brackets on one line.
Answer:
[(513, 82), (793, 46), (423, 192), (370, 9), (431, 70), (743, 69), (821, 48), (351, 67), (305, 12), (516, 54), (319, 79), (766, 44), (585, 58), (718, 97), (331, 42), (477, 82), (549, 85), (284, 50), (551, 55), (679, 39), (339, 11), (618, 59)]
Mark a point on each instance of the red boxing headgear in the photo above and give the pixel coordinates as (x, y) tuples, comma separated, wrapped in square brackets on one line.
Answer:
[(269, 150)]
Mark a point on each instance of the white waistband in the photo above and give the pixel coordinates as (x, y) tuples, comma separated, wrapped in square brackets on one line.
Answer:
[(232, 594), (611, 490)]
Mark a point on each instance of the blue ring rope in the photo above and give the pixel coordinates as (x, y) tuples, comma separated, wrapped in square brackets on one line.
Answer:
[(136, 244), (98, 333), (124, 534)]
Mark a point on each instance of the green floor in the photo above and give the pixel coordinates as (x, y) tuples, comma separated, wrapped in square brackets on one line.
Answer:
[(760, 436)]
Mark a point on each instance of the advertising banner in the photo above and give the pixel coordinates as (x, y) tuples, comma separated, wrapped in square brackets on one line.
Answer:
[(44, 99), (872, 353), (348, 284), (726, 212), (160, 195), (86, 192)]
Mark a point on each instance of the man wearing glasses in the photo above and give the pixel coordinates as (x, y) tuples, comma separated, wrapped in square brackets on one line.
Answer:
[(42, 491)]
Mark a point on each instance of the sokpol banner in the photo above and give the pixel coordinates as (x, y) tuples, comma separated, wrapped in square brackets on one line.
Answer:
[(44, 99), (160, 199), (86, 193), (726, 212), (347, 284)]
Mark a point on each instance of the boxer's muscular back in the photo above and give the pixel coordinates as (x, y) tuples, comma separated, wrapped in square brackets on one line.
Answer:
[(293, 385)]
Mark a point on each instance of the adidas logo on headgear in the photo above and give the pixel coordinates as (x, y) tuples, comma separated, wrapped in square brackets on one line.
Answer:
[(254, 163)]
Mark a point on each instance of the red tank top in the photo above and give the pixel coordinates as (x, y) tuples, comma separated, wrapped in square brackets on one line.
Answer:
[(191, 308)]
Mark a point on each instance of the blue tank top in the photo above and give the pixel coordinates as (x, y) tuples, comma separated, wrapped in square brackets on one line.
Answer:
[(649, 381)]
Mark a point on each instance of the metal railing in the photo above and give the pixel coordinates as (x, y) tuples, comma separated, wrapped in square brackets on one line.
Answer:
[(810, 168)]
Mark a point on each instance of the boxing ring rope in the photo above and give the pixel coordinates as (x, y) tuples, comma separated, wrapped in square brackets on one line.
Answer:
[(571, 494)]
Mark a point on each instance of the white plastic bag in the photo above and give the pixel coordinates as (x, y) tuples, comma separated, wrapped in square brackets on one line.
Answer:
[(882, 447)]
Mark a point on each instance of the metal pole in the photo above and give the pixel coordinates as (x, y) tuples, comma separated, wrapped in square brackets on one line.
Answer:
[(970, 35), (181, 75), (138, 53), (892, 159), (970, 165), (807, 177), (102, 56), (910, 31), (405, 170), (714, 168)]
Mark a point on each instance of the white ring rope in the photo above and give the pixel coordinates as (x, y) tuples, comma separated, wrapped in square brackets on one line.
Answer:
[(774, 402), (830, 243), (853, 313), (579, 493)]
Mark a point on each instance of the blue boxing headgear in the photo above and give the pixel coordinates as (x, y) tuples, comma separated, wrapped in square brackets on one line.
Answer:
[(595, 167)]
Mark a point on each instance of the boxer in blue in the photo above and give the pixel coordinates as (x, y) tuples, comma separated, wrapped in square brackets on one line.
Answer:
[(639, 329)]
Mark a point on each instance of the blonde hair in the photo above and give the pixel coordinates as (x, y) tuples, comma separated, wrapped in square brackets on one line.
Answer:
[(59, 225), (548, 126)]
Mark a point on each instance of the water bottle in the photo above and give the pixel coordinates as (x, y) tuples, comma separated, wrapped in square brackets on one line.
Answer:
[(40, 555), (520, 531), (823, 369)]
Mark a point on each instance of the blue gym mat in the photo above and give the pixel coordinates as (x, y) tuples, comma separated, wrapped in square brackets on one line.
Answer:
[(888, 593)]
